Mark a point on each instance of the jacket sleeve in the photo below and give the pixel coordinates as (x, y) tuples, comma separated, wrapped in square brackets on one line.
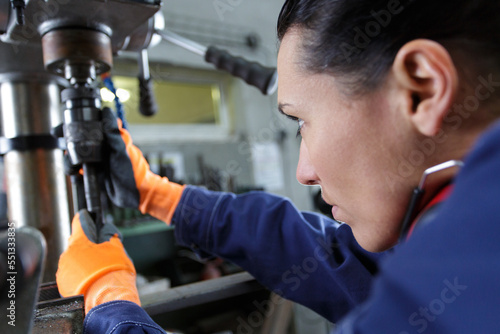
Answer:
[(304, 257), (445, 278), (119, 317)]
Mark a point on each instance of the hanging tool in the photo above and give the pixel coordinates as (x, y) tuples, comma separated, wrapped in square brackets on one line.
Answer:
[(19, 6), (147, 102)]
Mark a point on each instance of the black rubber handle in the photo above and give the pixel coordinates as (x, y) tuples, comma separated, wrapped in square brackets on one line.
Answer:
[(147, 103), (251, 72)]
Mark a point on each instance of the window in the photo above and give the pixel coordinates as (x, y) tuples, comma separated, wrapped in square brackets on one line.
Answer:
[(191, 104)]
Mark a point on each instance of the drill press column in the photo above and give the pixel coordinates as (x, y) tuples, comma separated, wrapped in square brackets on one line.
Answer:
[(37, 192)]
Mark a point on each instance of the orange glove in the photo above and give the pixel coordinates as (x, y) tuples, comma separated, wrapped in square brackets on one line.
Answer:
[(130, 182), (102, 271)]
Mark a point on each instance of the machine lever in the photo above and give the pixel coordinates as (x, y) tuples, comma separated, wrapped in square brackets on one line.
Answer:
[(265, 79), (253, 73)]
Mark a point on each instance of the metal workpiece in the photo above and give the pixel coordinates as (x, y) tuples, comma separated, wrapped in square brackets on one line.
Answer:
[(37, 191), (62, 316), (54, 314)]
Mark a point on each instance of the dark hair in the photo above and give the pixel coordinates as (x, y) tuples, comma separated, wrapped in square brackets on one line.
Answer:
[(359, 39)]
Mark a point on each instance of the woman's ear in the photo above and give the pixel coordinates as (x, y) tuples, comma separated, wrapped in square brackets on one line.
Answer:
[(427, 75)]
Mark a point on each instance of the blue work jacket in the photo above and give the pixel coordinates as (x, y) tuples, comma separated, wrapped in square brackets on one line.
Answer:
[(443, 280), (302, 256)]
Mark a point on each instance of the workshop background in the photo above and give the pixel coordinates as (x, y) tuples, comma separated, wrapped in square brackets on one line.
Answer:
[(214, 130)]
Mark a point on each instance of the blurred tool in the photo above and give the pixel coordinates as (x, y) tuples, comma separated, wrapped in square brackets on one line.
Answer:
[(264, 78), (210, 177), (139, 40)]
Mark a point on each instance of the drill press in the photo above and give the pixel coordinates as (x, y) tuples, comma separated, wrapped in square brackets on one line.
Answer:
[(77, 39)]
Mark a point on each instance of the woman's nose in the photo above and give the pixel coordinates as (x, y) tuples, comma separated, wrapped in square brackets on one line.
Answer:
[(306, 174)]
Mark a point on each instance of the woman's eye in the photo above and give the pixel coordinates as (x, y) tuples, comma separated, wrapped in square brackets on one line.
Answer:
[(298, 120), (300, 123)]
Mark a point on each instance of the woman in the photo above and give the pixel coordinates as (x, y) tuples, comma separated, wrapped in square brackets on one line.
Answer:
[(381, 91)]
